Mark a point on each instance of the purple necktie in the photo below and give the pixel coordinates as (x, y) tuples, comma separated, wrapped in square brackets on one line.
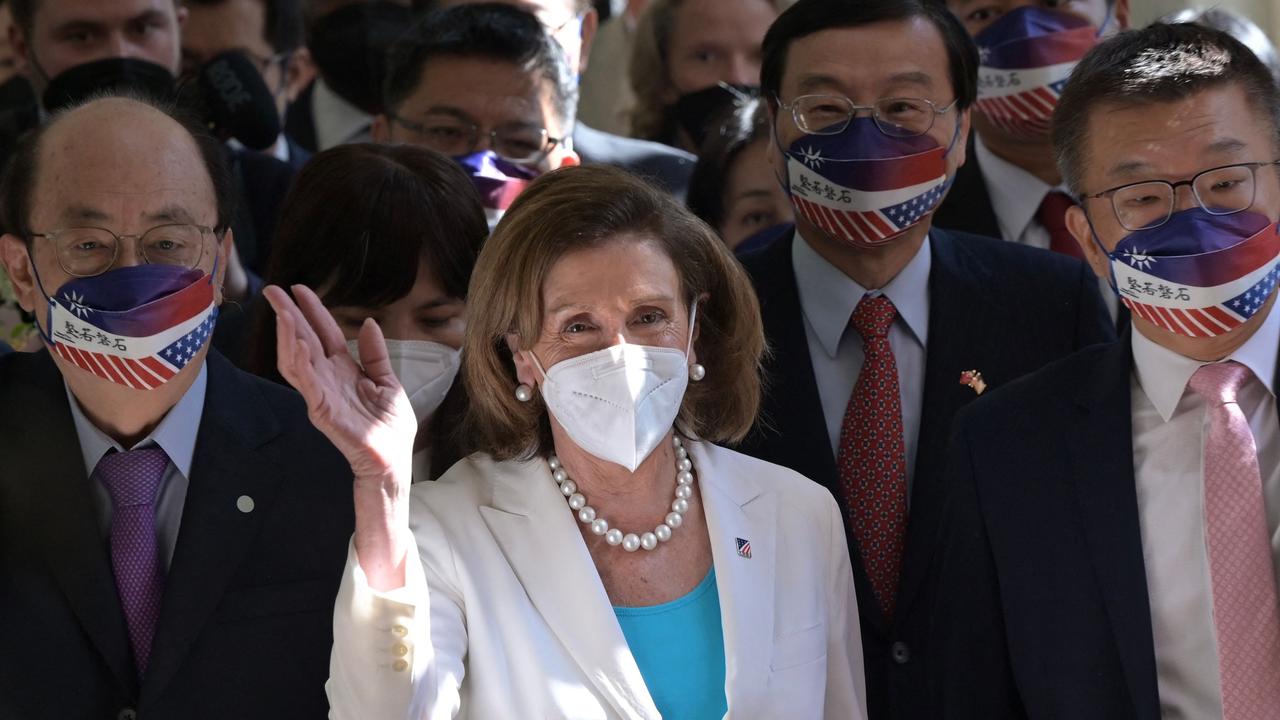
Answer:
[(132, 479)]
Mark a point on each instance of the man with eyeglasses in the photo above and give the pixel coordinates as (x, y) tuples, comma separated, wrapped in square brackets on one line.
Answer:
[(172, 531), (486, 85), (883, 326), (1109, 547), (269, 32)]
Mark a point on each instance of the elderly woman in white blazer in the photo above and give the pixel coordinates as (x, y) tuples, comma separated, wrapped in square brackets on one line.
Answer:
[(598, 557)]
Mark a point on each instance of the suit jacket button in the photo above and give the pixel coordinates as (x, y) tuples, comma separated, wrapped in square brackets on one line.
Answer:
[(127, 714), (900, 653)]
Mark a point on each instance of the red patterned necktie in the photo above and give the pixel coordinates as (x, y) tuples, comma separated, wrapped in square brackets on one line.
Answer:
[(1052, 215), (872, 459)]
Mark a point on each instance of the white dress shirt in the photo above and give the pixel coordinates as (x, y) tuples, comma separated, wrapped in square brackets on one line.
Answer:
[(1168, 428), (827, 299), (176, 435), (503, 613)]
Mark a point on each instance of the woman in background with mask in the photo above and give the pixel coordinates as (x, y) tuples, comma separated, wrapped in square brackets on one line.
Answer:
[(599, 556), (692, 60), (389, 233)]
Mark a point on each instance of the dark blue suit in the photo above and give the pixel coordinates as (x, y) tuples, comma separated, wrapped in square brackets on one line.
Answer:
[(996, 307), (246, 622), (1042, 608)]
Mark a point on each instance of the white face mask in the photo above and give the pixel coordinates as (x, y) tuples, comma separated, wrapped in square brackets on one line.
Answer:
[(618, 403), (425, 369)]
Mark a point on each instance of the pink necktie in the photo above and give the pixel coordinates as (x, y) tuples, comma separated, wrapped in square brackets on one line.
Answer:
[(1245, 609)]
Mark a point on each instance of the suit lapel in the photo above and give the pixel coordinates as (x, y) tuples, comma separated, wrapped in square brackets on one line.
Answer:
[(46, 473), (960, 338), (215, 534), (968, 205), (739, 509), (1103, 474), (544, 548)]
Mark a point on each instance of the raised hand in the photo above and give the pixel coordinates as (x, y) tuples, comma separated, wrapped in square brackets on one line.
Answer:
[(364, 413)]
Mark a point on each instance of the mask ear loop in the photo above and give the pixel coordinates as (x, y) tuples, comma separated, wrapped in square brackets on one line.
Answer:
[(47, 335), (1111, 272)]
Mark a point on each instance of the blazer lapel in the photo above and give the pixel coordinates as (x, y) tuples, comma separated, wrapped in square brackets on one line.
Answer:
[(736, 508), (545, 549), (48, 478), (1103, 473), (215, 534)]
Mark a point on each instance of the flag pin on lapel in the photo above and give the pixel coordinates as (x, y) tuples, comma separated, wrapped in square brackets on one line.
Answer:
[(973, 379), (744, 548)]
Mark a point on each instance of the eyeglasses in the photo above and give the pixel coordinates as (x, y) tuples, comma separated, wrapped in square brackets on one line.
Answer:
[(1220, 191), (90, 251), (896, 117), (523, 144)]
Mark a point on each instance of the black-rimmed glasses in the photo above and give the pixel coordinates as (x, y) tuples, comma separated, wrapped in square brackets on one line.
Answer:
[(1220, 191), (453, 136)]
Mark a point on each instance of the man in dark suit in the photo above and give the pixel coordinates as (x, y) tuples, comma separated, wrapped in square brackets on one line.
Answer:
[(573, 24), (877, 341), (172, 531), (1010, 186), (1107, 545)]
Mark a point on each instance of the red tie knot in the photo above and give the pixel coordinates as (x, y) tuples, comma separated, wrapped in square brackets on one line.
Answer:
[(1219, 383), (873, 316)]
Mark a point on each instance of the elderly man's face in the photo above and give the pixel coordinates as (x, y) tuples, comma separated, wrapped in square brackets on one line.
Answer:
[(67, 33), (118, 165), (1171, 141), (461, 100)]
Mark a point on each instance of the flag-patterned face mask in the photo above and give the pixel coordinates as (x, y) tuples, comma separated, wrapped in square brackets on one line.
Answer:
[(498, 181), (135, 326), (863, 187), (1026, 57), (1198, 274)]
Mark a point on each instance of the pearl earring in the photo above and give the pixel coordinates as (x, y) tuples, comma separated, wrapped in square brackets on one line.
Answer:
[(524, 393), (697, 372)]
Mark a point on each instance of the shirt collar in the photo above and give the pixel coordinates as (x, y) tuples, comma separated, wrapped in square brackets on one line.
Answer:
[(1015, 193), (176, 433), (1163, 374), (337, 121), (828, 296)]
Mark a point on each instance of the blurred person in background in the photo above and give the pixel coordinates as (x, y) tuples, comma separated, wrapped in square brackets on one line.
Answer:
[(607, 96), (485, 85), (734, 189), (389, 232), (572, 24), (684, 50), (1237, 26), (269, 32)]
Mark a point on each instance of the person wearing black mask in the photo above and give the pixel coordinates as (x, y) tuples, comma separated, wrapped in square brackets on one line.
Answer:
[(73, 49), (347, 41)]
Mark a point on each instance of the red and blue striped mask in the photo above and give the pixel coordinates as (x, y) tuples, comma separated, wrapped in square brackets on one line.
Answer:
[(135, 326), (1198, 274), (863, 187), (1025, 59)]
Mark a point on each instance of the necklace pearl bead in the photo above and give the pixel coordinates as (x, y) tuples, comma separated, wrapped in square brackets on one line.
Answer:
[(631, 542)]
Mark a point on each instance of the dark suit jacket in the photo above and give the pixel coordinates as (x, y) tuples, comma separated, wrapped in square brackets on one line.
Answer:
[(967, 207), (262, 181), (996, 307), (246, 622), (1042, 608), (669, 167)]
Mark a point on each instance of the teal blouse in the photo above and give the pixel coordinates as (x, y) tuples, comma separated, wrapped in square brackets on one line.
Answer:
[(679, 647)]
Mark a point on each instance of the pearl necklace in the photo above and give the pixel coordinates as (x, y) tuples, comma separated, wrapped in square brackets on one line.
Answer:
[(630, 541)]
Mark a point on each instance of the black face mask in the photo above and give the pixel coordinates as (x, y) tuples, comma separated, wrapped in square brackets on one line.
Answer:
[(19, 109), (702, 112), (349, 46), (111, 75)]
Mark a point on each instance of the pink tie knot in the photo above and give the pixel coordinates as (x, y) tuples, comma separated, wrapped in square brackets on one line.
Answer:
[(132, 477), (873, 317), (1219, 383)]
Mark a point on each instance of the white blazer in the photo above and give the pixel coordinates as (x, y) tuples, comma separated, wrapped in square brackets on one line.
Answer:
[(503, 614)]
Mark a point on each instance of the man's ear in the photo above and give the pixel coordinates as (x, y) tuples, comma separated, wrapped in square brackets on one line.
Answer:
[(961, 148), (526, 373), (380, 129), (298, 73), (21, 50), (568, 159), (17, 262), (225, 250), (1078, 224), (590, 23), (1122, 14)]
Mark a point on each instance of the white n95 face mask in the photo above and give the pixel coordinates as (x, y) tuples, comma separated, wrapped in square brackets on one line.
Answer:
[(425, 369), (619, 402)]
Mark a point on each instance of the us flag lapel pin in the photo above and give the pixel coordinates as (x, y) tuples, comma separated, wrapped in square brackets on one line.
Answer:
[(744, 548)]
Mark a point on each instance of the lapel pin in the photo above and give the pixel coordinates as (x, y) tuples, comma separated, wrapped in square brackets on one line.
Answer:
[(744, 548), (244, 504), (973, 379)]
